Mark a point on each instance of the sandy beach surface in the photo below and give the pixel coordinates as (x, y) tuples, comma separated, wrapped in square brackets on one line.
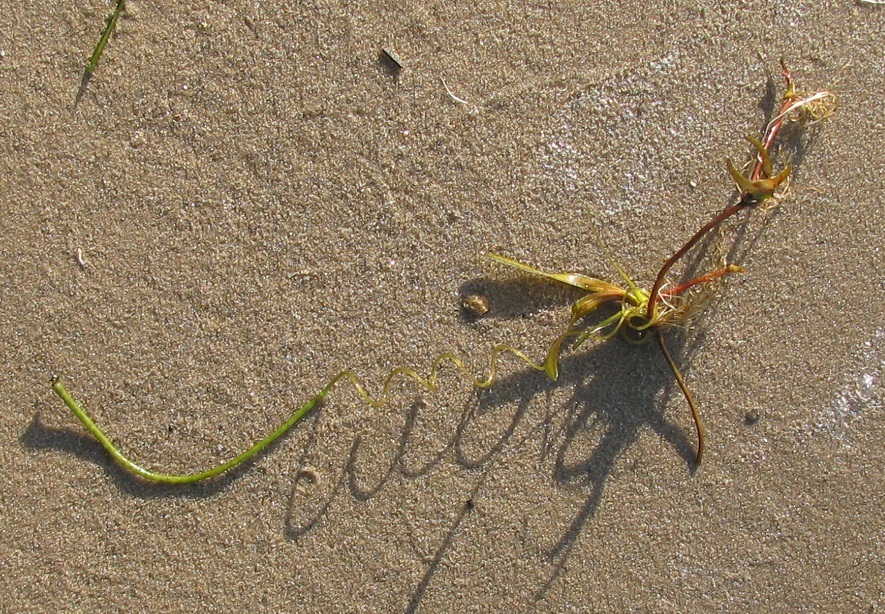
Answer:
[(250, 197)]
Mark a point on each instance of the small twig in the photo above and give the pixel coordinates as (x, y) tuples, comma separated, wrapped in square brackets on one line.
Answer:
[(105, 36)]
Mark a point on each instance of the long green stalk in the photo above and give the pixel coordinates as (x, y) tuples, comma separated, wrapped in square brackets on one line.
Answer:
[(189, 478), (105, 37), (429, 383)]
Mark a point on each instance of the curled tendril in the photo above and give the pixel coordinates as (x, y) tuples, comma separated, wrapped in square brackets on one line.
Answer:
[(429, 383)]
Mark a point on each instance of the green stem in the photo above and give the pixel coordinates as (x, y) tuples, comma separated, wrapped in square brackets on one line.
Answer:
[(105, 36), (190, 478), (429, 383)]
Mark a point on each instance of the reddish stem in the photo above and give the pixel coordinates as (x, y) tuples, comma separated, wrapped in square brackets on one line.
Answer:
[(701, 280), (774, 128), (746, 200), (659, 281)]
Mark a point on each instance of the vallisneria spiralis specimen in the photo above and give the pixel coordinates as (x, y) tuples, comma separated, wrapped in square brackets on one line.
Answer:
[(634, 313)]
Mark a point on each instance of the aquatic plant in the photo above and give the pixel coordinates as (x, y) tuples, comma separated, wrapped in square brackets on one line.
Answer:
[(622, 307)]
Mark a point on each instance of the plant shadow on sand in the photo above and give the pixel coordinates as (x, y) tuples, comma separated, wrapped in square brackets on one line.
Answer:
[(614, 391)]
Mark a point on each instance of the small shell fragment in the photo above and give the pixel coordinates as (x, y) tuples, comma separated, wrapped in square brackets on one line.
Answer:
[(306, 481), (475, 304)]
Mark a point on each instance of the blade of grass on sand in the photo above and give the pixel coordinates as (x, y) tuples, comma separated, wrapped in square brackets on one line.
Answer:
[(99, 49)]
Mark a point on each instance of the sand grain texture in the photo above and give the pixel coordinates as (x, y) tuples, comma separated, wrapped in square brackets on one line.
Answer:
[(258, 203)]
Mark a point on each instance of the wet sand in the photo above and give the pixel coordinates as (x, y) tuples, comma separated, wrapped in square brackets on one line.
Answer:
[(249, 198)]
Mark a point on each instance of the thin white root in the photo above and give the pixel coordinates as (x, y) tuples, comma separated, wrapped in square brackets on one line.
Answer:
[(451, 94), (814, 98)]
